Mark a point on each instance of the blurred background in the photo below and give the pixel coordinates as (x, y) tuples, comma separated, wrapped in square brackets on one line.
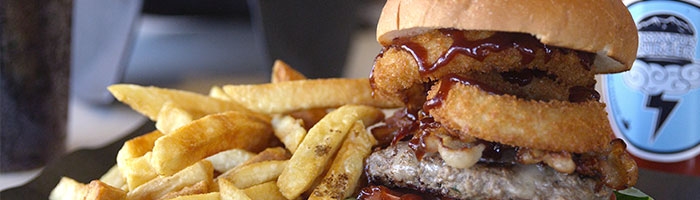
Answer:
[(193, 45), (173, 43)]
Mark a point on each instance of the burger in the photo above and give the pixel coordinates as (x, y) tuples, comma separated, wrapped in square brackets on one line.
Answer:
[(500, 99)]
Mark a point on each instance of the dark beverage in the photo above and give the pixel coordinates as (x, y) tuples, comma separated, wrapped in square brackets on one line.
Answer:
[(34, 69)]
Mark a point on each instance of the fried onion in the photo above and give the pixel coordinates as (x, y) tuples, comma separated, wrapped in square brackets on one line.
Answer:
[(552, 126)]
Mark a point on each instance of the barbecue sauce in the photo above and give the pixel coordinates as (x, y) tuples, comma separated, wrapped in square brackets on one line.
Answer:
[(579, 94), (374, 192), (414, 124), (479, 49), (450, 81), (527, 45)]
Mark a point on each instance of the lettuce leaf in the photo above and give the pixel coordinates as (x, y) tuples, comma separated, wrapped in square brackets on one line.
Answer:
[(631, 194)]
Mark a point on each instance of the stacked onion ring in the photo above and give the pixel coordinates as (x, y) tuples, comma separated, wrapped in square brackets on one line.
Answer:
[(488, 87)]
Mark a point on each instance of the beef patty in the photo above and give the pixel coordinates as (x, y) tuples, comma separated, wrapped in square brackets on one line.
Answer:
[(398, 166)]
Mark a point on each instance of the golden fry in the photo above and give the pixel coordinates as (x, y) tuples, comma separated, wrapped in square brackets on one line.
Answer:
[(163, 185), (227, 160), (230, 192), (98, 190), (319, 146), (264, 191), (133, 159), (138, 171), (172, 117), (341, 179), (150, 100), (281, 72), (206, 196), (256, 173), (272, 153), (289, 130), (207, 136), (218, 93), (308, 94), (310, 117), (269, 154), (138, 146), (201, 187), (68, 188), (114, 178)]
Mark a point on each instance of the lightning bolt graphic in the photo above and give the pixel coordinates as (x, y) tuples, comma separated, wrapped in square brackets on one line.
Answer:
[(664, 107)]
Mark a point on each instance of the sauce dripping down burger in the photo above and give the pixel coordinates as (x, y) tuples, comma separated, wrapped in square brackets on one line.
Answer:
[(500, 100)]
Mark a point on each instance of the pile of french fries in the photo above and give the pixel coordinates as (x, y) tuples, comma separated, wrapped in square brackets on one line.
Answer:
[(293, 138)]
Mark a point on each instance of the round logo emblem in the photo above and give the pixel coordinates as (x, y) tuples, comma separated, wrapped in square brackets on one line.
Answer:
[(655, 107)]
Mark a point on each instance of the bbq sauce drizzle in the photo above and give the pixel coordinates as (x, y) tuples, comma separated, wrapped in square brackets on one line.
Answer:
[(479, 49), (527, 45)]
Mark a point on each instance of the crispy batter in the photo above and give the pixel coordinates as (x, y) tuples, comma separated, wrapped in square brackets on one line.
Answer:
[(553, 126), (396, 73), (613, 166)]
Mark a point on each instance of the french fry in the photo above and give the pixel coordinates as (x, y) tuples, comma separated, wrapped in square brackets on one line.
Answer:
[(218, 93), (319, 146), (206, 196), (256, 173), (310, 117), (198, 134), (201, 187), (99, 190), (138, 171), (289, 130), (264, 191), (341, 179), (150, 100), (207, 136), (272, 153), (68, 188), (132, 161), (227, 160), (317, 93), (163, 185), (172, 117), (138, 146), (269, 154), (230, 192), (281, 72), (114, 178)]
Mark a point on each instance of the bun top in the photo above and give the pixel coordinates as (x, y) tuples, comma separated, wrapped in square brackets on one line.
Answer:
[(604, 27)]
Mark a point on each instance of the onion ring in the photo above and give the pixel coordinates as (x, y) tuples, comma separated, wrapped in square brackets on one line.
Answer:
[(396, 73), (553, 125)]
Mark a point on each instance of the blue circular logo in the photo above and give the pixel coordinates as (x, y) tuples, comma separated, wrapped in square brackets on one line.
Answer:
[(655, 107)]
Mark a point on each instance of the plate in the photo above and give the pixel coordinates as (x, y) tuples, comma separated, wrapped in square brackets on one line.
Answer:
[(82, 165), (89, 164)]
